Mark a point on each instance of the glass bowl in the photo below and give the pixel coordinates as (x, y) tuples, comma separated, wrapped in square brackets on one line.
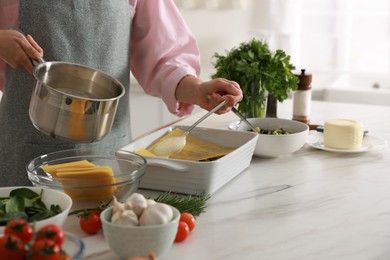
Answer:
[(112, 174), (73, 246)]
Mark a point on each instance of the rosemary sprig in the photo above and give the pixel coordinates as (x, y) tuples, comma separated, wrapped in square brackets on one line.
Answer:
[(194, 204)]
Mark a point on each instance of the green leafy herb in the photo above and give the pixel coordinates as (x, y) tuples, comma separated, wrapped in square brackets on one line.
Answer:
[(277, 131), (27, 204), (257, 70), (194, 204)]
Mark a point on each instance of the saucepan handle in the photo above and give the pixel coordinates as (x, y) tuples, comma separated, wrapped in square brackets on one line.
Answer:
[(34, 62), (37, 62)]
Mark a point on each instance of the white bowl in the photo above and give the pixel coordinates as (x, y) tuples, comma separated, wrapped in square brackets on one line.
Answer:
[(49, 197), (276, 145), (130, 241)]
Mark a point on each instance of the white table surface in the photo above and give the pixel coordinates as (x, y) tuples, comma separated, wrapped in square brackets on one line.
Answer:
[(312, 204)]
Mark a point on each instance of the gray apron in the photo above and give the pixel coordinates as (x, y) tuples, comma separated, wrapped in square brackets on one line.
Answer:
[(94, 33)]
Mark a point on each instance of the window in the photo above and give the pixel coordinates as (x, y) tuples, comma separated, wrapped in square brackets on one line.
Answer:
[(329, 37)]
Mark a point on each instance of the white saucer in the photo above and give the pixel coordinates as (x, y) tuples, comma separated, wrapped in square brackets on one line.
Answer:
[(315, 140)]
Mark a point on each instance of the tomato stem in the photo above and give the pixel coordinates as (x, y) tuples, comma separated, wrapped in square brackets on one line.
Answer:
[(88, 210)]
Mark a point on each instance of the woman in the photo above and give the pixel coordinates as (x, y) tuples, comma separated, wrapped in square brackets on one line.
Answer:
[(150, 38)]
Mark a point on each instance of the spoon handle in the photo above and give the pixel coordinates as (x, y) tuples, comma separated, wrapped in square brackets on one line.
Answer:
[(235, 111), (204, 117)]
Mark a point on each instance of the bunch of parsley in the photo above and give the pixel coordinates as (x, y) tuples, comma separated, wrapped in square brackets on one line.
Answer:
[(258, 71)]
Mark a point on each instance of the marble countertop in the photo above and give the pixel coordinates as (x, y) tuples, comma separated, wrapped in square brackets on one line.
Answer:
[(312, 204)]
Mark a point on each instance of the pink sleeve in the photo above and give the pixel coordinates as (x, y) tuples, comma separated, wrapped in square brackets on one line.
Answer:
[(163, 51), (9, 17)]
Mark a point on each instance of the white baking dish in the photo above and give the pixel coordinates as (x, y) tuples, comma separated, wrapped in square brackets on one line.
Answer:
[(190, 177)]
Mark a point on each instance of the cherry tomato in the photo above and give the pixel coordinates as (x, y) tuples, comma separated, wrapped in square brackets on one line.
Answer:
[(189, 219), (183, 231), (90, 223), (12, 247), (52, 232), (46, 249), (20, 228)]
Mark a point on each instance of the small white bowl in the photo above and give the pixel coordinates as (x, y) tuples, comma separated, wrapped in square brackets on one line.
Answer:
[(275, 145), (49, 197), (130, 241)]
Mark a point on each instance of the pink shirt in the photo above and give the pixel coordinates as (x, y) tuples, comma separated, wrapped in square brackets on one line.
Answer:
[(157, 67)]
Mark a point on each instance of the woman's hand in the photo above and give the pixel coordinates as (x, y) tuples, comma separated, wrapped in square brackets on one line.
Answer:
[(209, 94), (17, 50)]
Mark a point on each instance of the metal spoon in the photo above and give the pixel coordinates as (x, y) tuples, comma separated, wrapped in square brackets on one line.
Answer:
[(175, 144), (235, 111)]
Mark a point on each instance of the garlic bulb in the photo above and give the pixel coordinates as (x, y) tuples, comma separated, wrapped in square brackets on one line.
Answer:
[(156, 214), (117, 206), (150, 202), (137, 210), (125, 217), (136, 202)]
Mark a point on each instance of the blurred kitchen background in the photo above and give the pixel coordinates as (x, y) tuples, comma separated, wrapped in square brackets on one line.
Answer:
[(345, 44)]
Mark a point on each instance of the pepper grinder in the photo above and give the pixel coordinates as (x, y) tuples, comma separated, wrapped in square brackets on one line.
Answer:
[(302, 98)]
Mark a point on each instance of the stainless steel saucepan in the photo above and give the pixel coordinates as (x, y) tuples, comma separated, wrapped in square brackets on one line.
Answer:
[(73, 102)]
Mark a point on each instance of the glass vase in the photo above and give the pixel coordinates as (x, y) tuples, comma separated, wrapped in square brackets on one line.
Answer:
[(254, 104)]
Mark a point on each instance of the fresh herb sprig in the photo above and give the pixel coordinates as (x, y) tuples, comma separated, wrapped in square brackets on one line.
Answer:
[(257, 69), (26, 204), (194, 204)]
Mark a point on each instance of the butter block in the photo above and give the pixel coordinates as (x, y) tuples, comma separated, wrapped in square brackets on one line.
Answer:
[(345, 134)]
